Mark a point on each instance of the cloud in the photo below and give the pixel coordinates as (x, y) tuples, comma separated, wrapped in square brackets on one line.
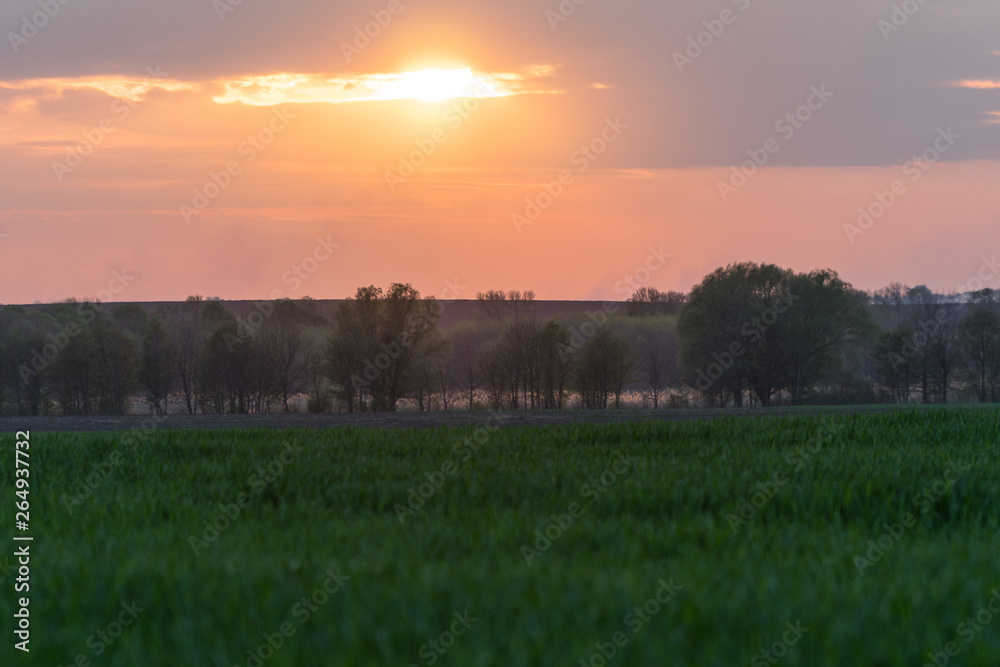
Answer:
[(979, 85), (430, 85), (129, 88)]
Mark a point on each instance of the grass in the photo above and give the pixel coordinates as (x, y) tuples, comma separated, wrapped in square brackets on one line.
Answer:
[(760, 523)]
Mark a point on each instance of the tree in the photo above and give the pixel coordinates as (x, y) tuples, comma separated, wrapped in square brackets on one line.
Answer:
[(826, 316), (979, 341), (187, 339), (649, 302), (467, 343), (605, 367), (934, 321), (767, 329), (554, 370), (728, 339), (520, 302), (285, 354), (894, 363), (157, 371), (114, 367), (430, 372), (376, 342), (657, 351), (493, 304)]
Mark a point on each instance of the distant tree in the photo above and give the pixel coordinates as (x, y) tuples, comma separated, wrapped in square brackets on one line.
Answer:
[(657, 350), (649, 302), (890, 301), (554, 370), (493, 304), (520, 302), (605, 366), (894, 362), (493, 370), (353, 345), (131, 318), (285, 354), (376, 342), (187, 340), (115, 361), (158, 370), (320, 392), (73, 372), (430, 370), (467, 343), (934, 321), (979, 341), (985, 296)]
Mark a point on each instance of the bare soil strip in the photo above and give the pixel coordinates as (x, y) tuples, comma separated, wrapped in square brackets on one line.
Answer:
[(415, 419)]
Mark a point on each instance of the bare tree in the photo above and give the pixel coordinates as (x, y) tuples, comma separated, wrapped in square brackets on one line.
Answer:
[(520, 302), (187, 342), (157, 370), (285, 356), (493, 304), (657, 349)]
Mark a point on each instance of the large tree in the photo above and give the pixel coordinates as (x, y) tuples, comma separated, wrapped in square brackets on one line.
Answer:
[(979, 341), (157, 370), (377, 339), (767, 329)]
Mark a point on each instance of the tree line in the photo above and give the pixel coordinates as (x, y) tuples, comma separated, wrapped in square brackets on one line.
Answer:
[(748, 334)]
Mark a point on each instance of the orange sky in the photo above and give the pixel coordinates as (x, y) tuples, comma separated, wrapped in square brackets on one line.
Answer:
[(106, 164)]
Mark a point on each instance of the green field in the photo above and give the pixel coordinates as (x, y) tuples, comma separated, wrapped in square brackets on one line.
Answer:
[(535, 546)]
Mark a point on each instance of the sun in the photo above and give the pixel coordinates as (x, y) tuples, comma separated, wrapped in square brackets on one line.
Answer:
[(433, 85)]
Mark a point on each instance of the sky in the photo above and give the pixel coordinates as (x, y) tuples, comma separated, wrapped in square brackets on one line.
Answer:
[(251, 149)]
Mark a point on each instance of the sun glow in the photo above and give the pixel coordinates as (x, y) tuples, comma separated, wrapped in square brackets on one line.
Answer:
[(433, 85)]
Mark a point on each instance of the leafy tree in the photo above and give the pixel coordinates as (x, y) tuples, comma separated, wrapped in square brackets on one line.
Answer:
[(894, 362), (157, 371), (377, 339), (825, 316), (768, 329), (606, 365), (115, 361), (979, 341)]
